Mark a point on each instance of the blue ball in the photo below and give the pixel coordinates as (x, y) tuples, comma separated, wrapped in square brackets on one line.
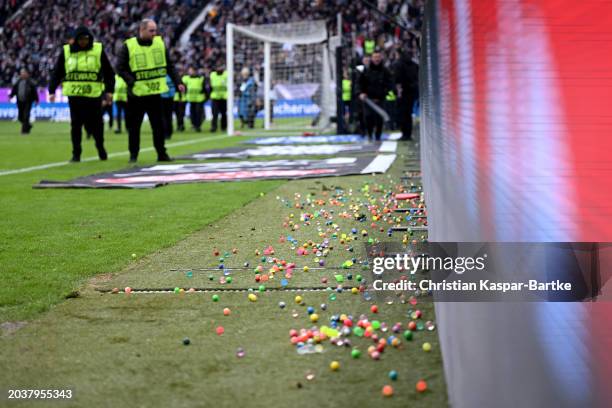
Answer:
[(310, 310), (393, 375)]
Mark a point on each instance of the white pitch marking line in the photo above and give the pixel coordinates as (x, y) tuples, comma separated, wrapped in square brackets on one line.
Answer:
[(117, 154)]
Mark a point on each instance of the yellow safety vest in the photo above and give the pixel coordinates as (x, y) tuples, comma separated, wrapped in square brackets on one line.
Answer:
[(369, 46), (148, 64), (346, 90), (194, 87), (83, 72), (218, 83), (179, 97), (120, 93)]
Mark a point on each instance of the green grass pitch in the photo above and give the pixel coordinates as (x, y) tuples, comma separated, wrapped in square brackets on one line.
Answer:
[(127, 350)]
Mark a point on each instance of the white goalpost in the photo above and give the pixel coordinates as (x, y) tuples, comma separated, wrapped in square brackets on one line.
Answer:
[(290, 84)]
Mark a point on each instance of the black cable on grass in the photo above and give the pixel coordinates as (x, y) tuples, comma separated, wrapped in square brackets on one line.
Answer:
[(217, 289)]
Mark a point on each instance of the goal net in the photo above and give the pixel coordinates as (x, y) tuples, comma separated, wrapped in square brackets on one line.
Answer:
[(282, 76)]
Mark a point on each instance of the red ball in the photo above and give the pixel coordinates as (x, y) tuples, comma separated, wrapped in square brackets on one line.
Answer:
[(412, 326), (421, 386), (387, 391), (374, 309), (220, 330), (293, 333)]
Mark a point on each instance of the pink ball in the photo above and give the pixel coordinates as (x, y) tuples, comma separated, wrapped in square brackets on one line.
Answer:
[(128, 290), (220, 330), (226, 312)]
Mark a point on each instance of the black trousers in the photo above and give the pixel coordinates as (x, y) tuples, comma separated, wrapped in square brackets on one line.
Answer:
[(137, 106), (23, 115), (197, 114), (121, 107), (219, 107), (373, 122), (179, 111), (108, 109), (404, 110), (391, 109), (168, 107), (86, 112)]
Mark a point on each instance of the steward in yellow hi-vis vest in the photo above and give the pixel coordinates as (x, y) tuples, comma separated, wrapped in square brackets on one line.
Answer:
[(218, 95), (369, 46), (143, 62), (120, 99), (346, 90), (85, 73), (179, 110), (195, 95)]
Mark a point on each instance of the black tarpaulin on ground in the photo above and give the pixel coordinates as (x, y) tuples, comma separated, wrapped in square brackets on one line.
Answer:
[(175, 173)]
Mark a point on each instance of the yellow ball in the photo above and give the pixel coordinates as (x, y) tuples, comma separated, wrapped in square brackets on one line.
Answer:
[(298, 299), (426, 347), (252, 297), (306, 269), (314, 317), (334, 366), (354, 291)]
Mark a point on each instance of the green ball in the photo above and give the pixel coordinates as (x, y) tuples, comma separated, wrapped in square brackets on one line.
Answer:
[(177, 290), (375, 324), (215, 298), (262, 288), (358, 331), (359, 278), (356, 353), (408, 335), (210, 277), (228, 279)]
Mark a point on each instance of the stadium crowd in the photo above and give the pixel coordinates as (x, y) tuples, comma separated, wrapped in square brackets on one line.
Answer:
[(25, 43), (360, 23)]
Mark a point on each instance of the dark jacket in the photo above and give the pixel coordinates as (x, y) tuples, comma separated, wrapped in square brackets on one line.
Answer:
[(407, 76), (124, 71), (31, 94), (375, 82), (59, 71)]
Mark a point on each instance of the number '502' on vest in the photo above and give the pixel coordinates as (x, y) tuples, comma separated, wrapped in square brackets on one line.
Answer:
[(148, 64)]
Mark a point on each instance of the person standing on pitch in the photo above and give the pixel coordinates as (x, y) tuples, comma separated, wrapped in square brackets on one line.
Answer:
[(178, 107), (120, 99), (407, 83), (374, 83), (167, 107), (218, 95), (25, 91), (85, 74), (144, 62), (196, 96), (248, 96)]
